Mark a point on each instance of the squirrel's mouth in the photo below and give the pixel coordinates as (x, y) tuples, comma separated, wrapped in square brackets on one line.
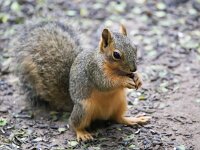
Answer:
[(130, 75), (124, 73)]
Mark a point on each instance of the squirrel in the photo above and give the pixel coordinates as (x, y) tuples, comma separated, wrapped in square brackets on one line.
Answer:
[(53, 67)]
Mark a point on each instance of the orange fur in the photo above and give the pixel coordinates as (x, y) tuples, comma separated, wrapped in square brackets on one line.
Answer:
[(110, 71), (104, 106)]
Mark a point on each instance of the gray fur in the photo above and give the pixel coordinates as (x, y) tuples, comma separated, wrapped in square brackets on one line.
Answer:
[(52, 47), (128, 48)]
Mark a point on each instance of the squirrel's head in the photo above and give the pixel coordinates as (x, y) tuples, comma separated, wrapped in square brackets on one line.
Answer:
[(119, 51)]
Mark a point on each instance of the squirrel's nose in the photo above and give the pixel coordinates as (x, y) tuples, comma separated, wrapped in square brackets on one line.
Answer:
[(133, 70)]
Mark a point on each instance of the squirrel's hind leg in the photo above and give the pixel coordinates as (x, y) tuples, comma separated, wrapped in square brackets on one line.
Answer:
[(133, 120), (119, 116), (79, 120)]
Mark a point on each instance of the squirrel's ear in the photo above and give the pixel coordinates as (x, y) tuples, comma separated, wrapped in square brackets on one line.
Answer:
[(106, 38), (123, 30)]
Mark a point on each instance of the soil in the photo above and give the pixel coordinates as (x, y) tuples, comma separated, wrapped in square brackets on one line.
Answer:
[(167, 35)]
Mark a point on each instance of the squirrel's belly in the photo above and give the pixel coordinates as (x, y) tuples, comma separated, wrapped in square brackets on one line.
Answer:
[(104, 105)]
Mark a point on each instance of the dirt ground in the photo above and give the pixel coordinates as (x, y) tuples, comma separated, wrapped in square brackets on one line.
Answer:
[(168, 38)]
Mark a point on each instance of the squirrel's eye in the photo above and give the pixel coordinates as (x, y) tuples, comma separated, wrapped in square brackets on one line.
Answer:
[(116, 55)]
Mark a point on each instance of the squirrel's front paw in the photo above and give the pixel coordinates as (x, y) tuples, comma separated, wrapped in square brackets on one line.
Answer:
[(129, 83), (137, 80)]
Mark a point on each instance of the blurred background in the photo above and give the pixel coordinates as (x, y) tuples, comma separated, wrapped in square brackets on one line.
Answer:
[(167, 33)]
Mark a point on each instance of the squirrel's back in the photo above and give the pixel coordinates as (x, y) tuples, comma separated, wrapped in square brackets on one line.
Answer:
[(45, 52)]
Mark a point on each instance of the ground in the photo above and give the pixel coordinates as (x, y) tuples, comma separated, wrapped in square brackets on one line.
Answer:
[(167, 35)]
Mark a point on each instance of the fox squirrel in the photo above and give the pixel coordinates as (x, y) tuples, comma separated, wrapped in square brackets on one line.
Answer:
[(53, 67)]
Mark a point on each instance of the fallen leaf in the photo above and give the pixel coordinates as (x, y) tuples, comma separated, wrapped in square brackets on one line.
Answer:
[(73, 143), (61, 130), (71, 13), (4, 17), (181, 147), (15, 7), (132, 146), (161, 6), (84, 12), (38, 139), (95, 148), (160, 14), (137, 11), (142, 97), (3, 122)]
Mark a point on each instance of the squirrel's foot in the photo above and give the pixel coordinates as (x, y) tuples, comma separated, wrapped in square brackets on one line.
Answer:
[(134, 120), (83, 135)]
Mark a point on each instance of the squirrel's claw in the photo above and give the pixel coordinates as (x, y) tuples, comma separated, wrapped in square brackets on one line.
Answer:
[(83, 136), (129, 83), (137, 80), (133, 81)]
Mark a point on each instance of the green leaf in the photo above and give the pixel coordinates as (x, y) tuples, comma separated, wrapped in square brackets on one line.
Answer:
[(152, 53), (71, 13), (15, 7), (61, 130), (40, 2), (84, 12), (191, 44), (95, 148), (161, 6), (144, 18), (119, 129), (4, 17), (192, 11), (3, 122), (181, 147), (132, 146), (137, 10), (73, 143), (160, 14)]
